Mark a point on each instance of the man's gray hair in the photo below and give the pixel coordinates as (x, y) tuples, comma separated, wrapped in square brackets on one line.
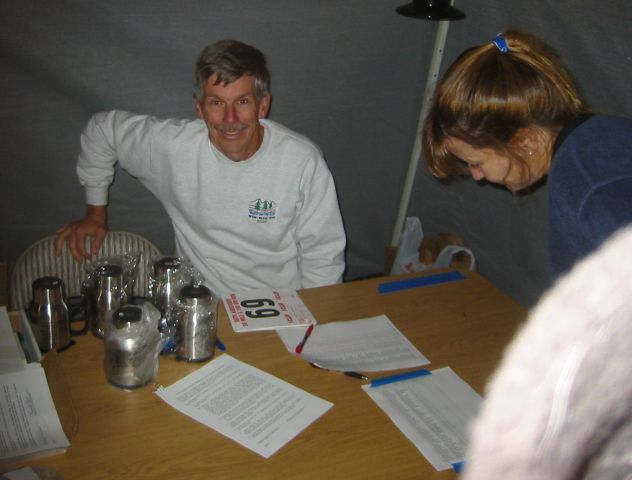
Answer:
[(230, 60)]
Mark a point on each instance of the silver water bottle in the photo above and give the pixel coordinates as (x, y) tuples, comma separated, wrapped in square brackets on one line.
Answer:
[(196, 329)]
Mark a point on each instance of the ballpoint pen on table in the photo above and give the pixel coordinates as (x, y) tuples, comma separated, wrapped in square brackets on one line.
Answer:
[(308, 332), (220, 345), (357, 375)]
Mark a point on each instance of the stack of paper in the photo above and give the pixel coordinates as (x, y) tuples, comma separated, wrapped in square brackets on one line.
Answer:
[(366, 345), (30, 424), (434, 411)]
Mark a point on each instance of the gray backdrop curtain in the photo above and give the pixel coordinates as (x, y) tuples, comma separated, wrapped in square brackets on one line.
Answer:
[(348, 74)]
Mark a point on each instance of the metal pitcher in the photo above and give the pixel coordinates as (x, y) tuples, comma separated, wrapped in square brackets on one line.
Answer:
[(167, 282), (48, 314), (196, 330), (105, 296)]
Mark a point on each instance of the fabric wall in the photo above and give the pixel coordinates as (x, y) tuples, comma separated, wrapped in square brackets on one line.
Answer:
[(348, 74)]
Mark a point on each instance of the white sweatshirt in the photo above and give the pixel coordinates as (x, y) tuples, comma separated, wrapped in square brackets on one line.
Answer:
[(271, 221)]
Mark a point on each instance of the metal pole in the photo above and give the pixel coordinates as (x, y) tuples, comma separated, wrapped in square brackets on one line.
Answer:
[(433, 74)]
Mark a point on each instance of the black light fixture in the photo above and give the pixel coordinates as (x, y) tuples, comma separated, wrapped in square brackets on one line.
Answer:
[(431, 10), (443, 12)]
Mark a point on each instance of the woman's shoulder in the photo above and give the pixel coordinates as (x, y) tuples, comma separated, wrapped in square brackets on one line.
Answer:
[(598, 133), (603, 123), (596, 151)]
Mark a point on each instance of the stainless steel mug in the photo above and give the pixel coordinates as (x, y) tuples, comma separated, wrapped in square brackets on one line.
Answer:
[(196, 329), (48, 314), (131, 357), (106, 296)]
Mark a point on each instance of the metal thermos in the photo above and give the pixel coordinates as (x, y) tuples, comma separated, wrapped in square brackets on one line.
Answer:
[(196, 330), (48, 314), (130, 349), (166, 276), (107, 295)]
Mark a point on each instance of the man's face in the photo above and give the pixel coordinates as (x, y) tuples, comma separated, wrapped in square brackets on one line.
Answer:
[(231, 113)]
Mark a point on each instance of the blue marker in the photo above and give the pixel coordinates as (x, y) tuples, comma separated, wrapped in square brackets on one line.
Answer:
[(220, 345)]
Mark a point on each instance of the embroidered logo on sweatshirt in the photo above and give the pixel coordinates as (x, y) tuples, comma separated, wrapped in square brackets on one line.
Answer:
[(262, 210)]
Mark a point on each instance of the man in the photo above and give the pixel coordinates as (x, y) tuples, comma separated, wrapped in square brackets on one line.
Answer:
[(253, 204)]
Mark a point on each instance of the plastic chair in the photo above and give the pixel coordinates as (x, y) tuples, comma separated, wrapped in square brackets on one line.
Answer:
[(39, 260)]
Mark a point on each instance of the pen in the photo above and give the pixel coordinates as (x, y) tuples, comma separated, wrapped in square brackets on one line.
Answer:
[(347, 373), (357, 375), (220, 345), (299, 347)]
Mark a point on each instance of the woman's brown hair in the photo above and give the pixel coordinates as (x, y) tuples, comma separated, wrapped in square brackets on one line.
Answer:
[(489, 93)]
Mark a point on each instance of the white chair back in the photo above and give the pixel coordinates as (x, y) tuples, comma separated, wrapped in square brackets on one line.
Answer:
[(39, 260)]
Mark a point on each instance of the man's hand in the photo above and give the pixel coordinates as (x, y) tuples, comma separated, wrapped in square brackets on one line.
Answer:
[(94, 225)]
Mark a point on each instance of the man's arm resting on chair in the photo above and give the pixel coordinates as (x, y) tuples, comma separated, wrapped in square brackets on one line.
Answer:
[(93, 225)]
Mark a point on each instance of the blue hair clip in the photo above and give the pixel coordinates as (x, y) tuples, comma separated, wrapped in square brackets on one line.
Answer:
[(501, 44)]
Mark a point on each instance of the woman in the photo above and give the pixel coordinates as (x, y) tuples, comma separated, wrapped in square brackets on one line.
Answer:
[(508, 112)]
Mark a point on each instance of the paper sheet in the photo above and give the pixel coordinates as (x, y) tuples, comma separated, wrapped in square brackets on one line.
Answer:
[(11, 356), (250, 406), (28, 416), (433, 411), (26, 473), (365, 345), (29, 425)]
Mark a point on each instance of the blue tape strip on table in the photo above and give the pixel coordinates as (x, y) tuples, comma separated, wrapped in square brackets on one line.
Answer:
[(458, 466), (400, 377), (420, 282)]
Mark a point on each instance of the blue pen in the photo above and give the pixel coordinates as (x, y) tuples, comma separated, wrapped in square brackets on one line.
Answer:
[(220, 345)]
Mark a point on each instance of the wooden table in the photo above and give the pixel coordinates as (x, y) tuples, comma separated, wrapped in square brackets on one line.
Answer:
[(463, 324)]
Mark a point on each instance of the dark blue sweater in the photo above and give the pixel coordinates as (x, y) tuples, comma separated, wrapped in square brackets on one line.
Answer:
[(590, 188)]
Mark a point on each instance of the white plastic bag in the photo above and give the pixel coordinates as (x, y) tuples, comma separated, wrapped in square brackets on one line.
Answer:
[(407, 258)]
